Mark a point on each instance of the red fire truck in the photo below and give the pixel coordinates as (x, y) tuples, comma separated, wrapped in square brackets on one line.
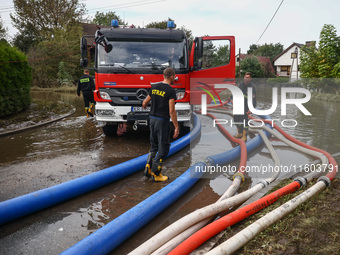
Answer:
[(127, 61)]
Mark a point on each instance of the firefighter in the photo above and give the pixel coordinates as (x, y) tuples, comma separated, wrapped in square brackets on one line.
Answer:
[(242, 120), (162, 97), (86, 85)]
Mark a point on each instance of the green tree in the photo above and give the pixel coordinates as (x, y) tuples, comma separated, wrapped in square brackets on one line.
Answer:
[(309, 62), (267, 50), (57, 60), (209, 51), (25, 40), (159, 24), (49, 31), (44, 19), (221, 56), (253, 65), (329, 50), (252, 49), (104, 19), (3, 30), (324, 61), (164, 24), (189, 34)]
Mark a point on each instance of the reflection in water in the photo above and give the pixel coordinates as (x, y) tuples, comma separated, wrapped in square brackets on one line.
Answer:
[(318, 130)]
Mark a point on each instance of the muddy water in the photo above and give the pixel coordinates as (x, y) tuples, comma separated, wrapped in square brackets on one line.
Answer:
[(75, 146)]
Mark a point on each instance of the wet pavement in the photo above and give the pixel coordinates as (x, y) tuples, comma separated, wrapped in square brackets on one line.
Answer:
[(75, 147)]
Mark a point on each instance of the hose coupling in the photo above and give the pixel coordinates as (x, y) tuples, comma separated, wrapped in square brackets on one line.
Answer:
[(326, 180), (264, 183), (301, 180), (239, 174)]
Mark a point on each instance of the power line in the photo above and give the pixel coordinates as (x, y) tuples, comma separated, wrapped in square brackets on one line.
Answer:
[(9, 9), (117, 6), (270, 21), (38, 59), (126, 5)]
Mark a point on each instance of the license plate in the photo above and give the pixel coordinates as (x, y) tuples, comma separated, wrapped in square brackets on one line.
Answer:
[(140, 109)]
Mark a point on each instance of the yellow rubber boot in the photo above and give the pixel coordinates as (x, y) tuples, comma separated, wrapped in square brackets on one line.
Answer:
[(156, 175), (87, 112), (91, 109), (148, 166), (147, 170), (244, 135), (239, 133), (159, 178)]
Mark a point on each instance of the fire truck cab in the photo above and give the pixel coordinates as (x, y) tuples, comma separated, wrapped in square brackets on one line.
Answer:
[(127, 61)]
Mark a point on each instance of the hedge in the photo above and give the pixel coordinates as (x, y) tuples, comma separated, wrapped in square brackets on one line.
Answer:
[(15, 81)]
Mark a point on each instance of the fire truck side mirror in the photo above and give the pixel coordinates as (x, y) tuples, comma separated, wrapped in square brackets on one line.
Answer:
[(83, 62), (83, 52), (199, 47), (198, 53), (199, 64), (108, 48)]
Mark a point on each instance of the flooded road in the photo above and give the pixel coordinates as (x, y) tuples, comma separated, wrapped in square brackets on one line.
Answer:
[(75, 146)]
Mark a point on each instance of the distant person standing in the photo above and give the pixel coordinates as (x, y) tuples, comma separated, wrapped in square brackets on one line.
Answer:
[(87, 86), (242, 129), (162, 97)]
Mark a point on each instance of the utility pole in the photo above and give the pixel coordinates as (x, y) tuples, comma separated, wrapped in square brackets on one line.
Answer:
[(297, 63), (294, 55), (239, 63)]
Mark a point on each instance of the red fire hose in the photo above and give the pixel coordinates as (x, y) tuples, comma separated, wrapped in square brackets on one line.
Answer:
[(215, 227), (332, 171)]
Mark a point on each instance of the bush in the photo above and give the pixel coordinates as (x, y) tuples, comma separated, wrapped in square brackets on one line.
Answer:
[(253, 65), (15, 76)]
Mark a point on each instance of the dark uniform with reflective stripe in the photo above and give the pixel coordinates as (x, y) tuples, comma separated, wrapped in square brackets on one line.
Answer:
[(86, 85), (160, 94), (243, 118)]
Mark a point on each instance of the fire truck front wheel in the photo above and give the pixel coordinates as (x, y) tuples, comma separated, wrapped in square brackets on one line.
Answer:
[(110, 130)]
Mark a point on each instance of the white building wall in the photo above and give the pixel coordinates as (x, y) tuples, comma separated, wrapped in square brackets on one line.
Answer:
[(286, 60)]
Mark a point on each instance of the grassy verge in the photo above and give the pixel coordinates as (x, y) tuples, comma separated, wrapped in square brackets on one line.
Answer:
[(64, 89), (313, 228), (326, 97)]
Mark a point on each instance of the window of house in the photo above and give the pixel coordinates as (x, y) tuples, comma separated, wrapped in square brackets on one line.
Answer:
[(285, 68)]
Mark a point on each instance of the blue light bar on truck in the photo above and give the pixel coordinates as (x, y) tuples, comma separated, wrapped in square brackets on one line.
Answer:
[(114, 23), (171, 24)]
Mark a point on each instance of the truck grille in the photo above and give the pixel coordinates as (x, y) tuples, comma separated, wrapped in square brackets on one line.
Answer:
[(126, 96)]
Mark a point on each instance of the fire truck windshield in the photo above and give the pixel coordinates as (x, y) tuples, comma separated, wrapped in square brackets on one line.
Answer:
[(143, 55)]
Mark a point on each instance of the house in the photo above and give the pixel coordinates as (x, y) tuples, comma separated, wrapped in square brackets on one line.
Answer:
[(265, 61), (286, 64), (89, 31)]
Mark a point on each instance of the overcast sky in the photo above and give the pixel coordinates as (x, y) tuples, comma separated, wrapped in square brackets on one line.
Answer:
[(295, 21)]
